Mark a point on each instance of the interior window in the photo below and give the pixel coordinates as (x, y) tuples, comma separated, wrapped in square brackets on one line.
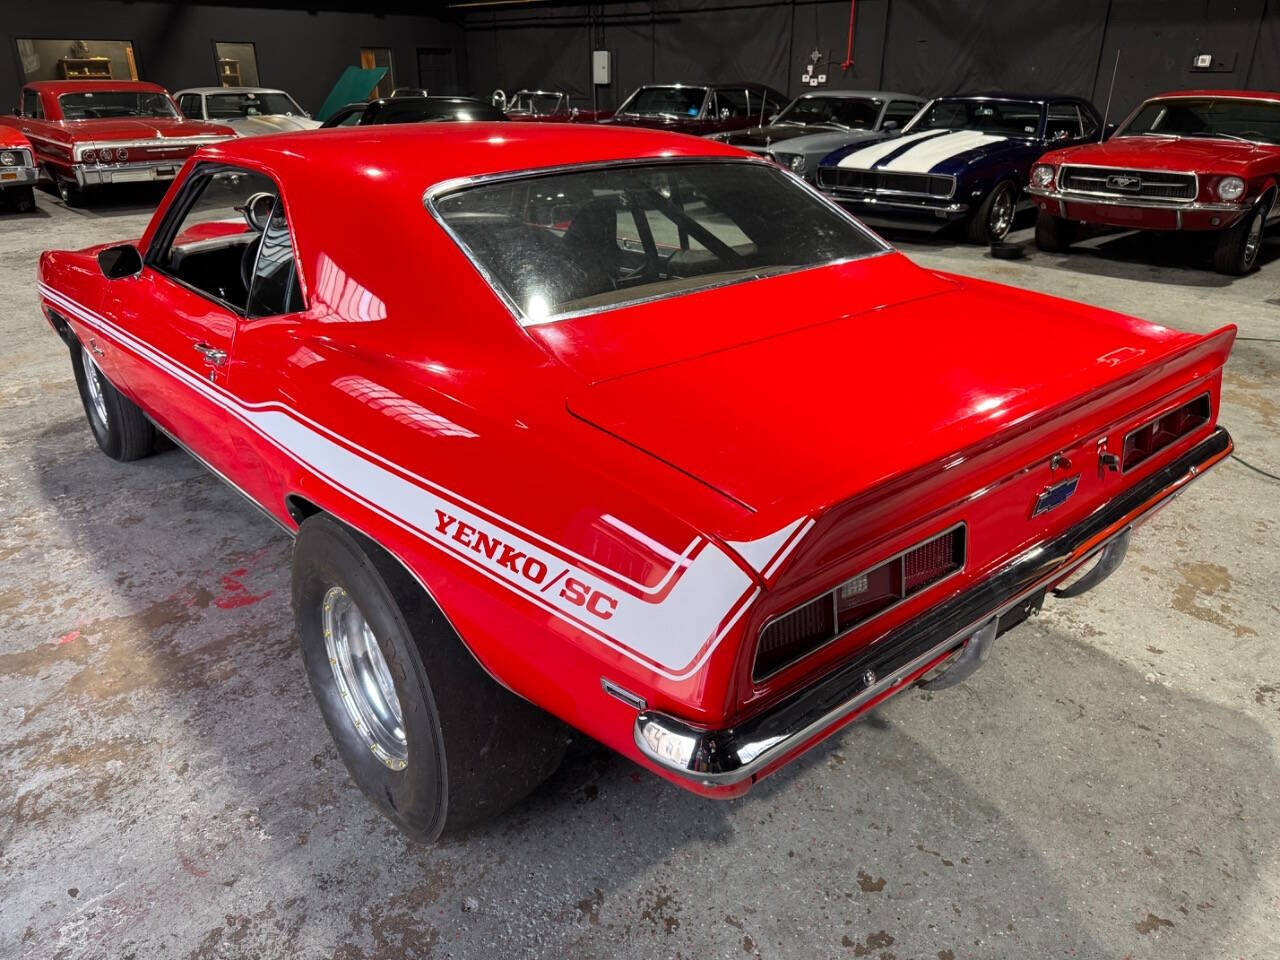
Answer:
[(31, 106), (1064, 122), (214, 247)]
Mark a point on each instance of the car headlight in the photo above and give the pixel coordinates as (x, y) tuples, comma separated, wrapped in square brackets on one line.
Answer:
[(1231, 188), (1042, 175), (8, 158), (796, 163)]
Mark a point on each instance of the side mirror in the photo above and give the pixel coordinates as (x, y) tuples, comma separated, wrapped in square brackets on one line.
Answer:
[(1061, 135), (890, 125), (119, 262)]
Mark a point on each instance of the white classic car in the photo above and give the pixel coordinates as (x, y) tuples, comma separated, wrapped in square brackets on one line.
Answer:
[(247, 110)]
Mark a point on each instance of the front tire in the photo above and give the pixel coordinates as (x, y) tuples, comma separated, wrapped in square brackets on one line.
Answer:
[(427, 735), (993, 219), (122, 430), (1236, 252), (1054, 234)]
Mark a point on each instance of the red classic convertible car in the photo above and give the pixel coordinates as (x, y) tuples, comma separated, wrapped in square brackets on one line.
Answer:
[(545, 106), (94, 132), (1206, 160), (18, 172), (700, 110), (571, 454)]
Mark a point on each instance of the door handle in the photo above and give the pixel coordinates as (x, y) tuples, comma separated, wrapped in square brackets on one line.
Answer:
[(212, 355)]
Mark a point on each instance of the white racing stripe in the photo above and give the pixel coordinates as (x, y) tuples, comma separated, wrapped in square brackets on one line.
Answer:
[(673, 634), (926, 156), (864, 158)]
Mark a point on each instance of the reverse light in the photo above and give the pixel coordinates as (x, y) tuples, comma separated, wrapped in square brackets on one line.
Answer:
[(804, 629), (1231, 188), (1042, 175)]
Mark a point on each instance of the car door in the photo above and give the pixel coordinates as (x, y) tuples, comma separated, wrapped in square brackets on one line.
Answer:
[(184, 308)]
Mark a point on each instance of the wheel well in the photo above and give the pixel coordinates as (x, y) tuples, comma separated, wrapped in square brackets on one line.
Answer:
[(62, 328), (1269, 197), (300, 508)]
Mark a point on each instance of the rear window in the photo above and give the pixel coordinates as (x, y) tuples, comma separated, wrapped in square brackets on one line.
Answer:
[(594, 239), (103, 104)]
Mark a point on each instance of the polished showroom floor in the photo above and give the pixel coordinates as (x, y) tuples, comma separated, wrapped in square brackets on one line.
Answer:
[(1108, 786)]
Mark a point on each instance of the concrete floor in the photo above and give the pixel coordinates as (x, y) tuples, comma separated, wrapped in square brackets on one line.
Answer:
[(1107, 787)]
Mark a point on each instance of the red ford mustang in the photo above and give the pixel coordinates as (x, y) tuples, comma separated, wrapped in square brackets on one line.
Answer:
[(1206, 160), (557, 444)]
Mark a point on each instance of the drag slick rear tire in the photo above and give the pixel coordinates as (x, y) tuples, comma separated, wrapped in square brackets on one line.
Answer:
[(429, 737), (120, 427)]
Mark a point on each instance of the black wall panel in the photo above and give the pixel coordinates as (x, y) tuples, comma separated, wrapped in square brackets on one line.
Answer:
[(942, 46), (1157, 45), (302, 51), (1265, 72)]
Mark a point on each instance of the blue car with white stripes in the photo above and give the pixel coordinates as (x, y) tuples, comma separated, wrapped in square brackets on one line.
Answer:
[(962, 159)]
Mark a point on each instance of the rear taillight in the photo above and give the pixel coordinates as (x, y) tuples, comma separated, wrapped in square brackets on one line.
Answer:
[(799, 632), (1155, 435)]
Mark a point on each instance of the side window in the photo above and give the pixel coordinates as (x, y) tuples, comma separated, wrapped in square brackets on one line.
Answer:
[(735, 101), (31, 106), (189, 104), (1064, 122), (1090, 124), (211, 239), (901, 111), (274, 288)]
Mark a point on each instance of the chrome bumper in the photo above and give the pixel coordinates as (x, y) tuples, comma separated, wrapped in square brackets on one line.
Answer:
[(89, 175), (728, 756), (16, 176), (943, 210), (1142, 203)]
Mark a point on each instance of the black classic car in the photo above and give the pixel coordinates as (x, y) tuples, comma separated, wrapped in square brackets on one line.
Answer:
[(815, 124), (963, 159), (410, 109), (701, 109)]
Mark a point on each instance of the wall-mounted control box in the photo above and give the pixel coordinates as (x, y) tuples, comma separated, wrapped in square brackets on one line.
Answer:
[(601, 67)]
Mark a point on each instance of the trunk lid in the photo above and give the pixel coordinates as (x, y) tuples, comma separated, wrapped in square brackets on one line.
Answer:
[(847, 388)]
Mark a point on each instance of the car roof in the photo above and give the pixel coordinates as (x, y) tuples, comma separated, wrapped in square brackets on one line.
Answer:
[(423, 155), (1237, 94), (86, 86), (1007, 95), (878, 94), (205, 91)]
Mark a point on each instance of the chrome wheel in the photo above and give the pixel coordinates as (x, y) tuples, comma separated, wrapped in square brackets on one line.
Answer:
[(93, 380), (364, 681), (1253, 239), (1001, 218)]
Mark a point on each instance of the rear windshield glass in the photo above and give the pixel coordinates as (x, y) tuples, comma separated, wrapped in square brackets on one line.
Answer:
[(594, 239), (96, 104), (1014, 117), (1228, 119), (666, 102)]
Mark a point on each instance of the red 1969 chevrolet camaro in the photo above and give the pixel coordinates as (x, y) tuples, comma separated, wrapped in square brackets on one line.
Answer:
[(557, 446), (1205, 160)]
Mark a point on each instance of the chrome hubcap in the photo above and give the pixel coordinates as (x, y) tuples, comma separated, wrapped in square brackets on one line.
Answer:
[(1254, 240), (93, 381), (1002, 213), (364, 681)]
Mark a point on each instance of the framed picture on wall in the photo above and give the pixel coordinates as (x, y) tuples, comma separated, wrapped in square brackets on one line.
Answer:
[(371, 57), (235, 64)]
